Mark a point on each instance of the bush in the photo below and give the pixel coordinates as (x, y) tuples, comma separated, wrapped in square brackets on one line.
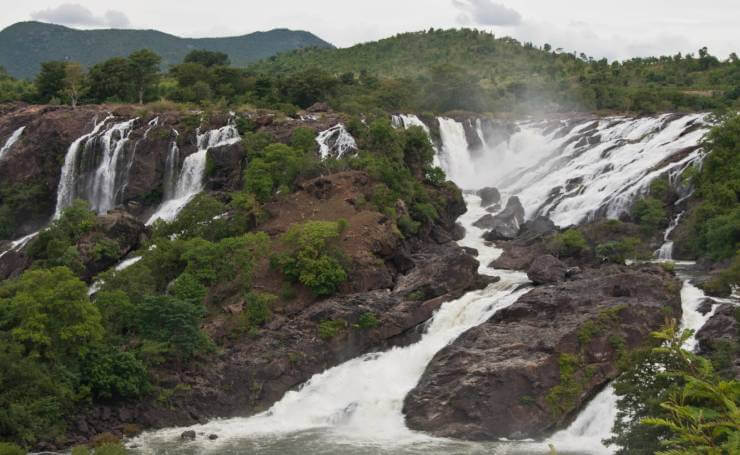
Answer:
[(368, 321), (329, 329), (173, 321), (618, 252), (313, 258), (649, 213), (257, 311), (114, 374), (7, 448), (570, 243), (303, 139), (278, 165)]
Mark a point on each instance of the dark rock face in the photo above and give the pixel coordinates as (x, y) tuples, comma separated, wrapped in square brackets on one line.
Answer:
[(547, 269), (504, 225), (720, 337), (525, 371), (535, 228), (118, 226), (224, 168), (488, 196)]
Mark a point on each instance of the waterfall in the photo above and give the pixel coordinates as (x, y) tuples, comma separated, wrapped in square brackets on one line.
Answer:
[(665, 252), (67, 180), (17, 245), (104, 183), (11, 140), (189, 181), (170, 168), (597, 167), (362, 398), (455, 157), (335, 142)]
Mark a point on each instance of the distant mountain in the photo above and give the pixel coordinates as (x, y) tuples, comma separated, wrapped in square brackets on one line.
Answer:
[(23, 46)]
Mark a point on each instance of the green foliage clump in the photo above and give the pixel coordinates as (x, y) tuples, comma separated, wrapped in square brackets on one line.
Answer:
[(570, 243), (312, 257), (368, 320), (330, 328), (650, 214), (175, 322), (617, 252), (303, 139), (672, 401), (277, 166), (257, 308), (47, 328), (112, 374), (18, 202), (562, 397), (7, 448)]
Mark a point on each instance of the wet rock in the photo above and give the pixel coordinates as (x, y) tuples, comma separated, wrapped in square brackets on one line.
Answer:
[(546, 269), (488, 196), (719, 339), (705, 306), (224, 169), (535, 228), (493, 208), (212, 437), (499, 379), (188, 435), (505, 225), (119, 231), (318, 107)]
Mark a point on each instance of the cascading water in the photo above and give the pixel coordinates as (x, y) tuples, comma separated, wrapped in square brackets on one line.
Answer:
[(335, 142), (665, 252), (455, 157), (67, 180), (11, 140), (356, 407), (190, 178), (170, 168), (106, 177)]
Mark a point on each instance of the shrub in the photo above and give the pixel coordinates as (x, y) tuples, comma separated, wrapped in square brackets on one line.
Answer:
[(570, 243), (303, 139), (114, 374), (618, 251), (7, 448), (257, 310), (312, 258), (330, 328), (173, 321), (649, 213), (368, 321)]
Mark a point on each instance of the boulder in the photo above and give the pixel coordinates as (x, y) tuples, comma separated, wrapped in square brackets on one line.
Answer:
[(537, 227), (547, 269), (530, 368), (318, 107), (224, 170), (721, 335), (188, 435), (488, 196), (505, 224), (119, 232)]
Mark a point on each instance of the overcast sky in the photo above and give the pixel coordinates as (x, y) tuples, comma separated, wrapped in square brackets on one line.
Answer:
[(614, 29)]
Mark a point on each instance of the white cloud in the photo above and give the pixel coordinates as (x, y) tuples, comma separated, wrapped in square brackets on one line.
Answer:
[(486, 12), (77, 15)]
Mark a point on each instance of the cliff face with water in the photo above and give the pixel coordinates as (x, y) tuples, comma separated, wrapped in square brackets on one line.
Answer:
[(136, 167)]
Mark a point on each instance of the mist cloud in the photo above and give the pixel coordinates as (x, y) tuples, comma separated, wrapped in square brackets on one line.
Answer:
[(486, 12), (77, 15)]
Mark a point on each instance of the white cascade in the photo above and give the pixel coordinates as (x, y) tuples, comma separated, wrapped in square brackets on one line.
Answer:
[(67, 180), (454, 157), (104, 183), (17, 245), (190, 179), (665, 252), (11, 140), (335, 142), (170, 168), (362, 399), (589, 172), (479, 132)]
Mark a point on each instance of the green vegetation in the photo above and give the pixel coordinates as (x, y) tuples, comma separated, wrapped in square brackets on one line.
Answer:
[(714, 224), (675, 401), (22, 49), (570, 243), (313, 258), (330, 328)]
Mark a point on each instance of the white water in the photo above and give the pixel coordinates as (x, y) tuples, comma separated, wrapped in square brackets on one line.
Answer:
[(665, 252), (335, 142), (114, 140), (11, 140), (455, 157), (17, 245), (190, 179), (572, 184), (67, 180), (356, 406)]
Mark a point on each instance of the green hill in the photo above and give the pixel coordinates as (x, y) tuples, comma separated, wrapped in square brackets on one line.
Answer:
[(474, 70), (23, 46)]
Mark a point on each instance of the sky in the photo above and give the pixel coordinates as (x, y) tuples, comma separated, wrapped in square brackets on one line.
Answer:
[(613, 29)]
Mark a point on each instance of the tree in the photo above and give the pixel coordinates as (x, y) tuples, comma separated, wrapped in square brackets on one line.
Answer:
[(74, 80), (207, 58), (111, 80), (144, 67), (50, 81)]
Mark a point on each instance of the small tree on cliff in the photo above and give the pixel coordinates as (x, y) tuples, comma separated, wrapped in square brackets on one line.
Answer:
[(74, 80), (144, 70)]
